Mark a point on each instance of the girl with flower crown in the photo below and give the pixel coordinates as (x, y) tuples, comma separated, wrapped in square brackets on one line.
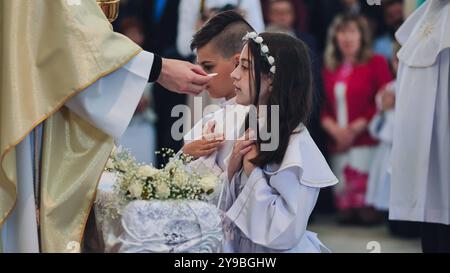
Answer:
[(271, 191)]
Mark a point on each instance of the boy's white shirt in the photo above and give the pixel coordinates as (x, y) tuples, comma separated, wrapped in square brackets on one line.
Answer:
[(228, 121)]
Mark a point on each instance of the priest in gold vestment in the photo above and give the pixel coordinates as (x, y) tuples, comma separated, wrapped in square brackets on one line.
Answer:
[(69, 85)]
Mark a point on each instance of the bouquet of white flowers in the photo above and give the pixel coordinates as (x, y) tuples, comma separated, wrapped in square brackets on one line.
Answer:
[(177, 180), (158, 210)]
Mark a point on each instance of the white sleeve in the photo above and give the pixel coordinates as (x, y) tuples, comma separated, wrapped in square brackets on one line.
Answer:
[(273, 213), (254, 14), (109, 103), (188, 11)]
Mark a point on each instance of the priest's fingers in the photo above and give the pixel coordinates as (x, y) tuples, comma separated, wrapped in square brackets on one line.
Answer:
[(200, 77), (192, 89), (198, 70), (197, 80), (182, 77)]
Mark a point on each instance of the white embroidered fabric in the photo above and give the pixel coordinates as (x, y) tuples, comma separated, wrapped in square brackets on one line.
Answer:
[(171, 227)]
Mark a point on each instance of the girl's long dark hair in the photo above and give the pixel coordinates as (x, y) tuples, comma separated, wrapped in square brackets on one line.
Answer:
[(291, 88)]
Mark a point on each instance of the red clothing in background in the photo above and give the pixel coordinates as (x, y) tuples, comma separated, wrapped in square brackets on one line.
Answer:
[(363, 83)]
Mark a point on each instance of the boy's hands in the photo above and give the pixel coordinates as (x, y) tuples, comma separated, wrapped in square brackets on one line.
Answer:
[(209, 143), (202, 147)]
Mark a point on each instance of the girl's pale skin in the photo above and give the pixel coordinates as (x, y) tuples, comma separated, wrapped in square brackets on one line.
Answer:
[(245, 148)]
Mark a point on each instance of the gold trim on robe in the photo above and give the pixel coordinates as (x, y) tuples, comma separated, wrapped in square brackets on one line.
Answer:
[(50, 51)]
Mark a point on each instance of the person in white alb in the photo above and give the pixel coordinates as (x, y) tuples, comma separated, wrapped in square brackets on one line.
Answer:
[(83, 82), (420, 158)]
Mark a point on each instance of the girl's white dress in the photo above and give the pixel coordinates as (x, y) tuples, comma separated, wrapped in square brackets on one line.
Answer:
[(269, 210)]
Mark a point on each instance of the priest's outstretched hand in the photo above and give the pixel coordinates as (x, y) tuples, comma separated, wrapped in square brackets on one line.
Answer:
[(183, 77)]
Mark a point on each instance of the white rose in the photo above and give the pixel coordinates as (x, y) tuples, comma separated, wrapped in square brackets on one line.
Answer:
[(180, 179), (271, 60), (259, 40), (264, 49), (135, 190), (252, 35), (162, 190), (124, 165), (208, 183), (273, 69), (170, 166), (147, 171)]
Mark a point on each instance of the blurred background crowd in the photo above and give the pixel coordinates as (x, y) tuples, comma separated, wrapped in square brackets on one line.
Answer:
[(354, 62)]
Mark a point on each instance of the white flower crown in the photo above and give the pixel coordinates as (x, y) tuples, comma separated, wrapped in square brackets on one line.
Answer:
[(264, 49)]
